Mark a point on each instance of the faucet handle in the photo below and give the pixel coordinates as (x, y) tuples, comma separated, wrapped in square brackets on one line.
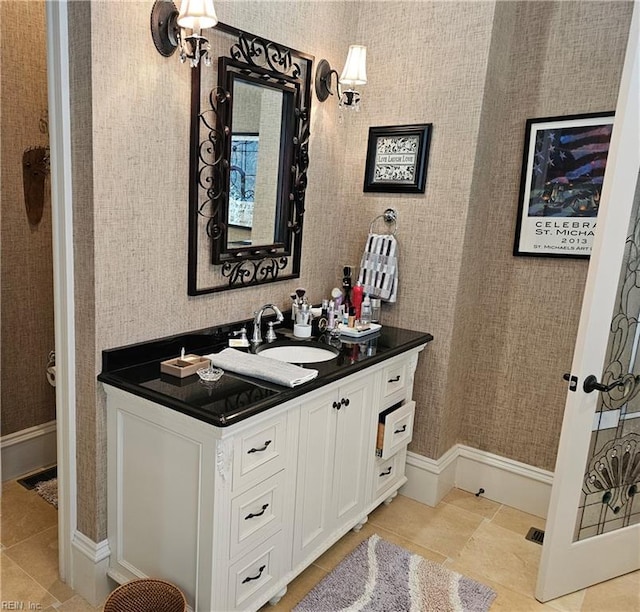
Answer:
[(239, 342), (271, 334)]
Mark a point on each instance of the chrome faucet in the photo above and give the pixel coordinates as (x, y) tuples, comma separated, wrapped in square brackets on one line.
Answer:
[(257, 322)]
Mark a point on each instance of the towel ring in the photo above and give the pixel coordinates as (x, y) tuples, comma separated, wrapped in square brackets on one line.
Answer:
[(389, 216)]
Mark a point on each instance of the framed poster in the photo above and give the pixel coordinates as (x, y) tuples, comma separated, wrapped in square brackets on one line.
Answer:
[(397, 158), (562, 170)]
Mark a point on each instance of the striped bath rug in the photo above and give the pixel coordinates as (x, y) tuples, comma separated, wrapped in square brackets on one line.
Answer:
[(381, 577)]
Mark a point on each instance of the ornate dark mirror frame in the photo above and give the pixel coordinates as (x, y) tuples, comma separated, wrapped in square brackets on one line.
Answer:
[(255, 60)]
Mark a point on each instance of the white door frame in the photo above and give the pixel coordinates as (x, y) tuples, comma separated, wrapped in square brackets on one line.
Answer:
[(63, 280), (565, 565)]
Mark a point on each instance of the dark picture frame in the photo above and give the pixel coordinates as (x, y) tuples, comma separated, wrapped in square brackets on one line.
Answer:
[(563, 164), (397, 158)]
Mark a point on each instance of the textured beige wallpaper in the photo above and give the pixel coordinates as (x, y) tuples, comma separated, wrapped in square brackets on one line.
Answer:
[(518, 316), (90, 425), (26, 262), (429, 62), (504, 327)]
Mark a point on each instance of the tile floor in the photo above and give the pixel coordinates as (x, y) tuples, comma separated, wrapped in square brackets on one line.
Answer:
[(474, 536)]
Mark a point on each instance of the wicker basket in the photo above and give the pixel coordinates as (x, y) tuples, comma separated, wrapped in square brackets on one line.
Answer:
[(146, 595)]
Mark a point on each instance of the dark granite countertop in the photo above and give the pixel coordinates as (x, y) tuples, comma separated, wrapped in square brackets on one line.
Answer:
[(136, 369)]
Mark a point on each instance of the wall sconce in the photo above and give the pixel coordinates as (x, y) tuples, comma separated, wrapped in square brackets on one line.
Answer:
[(171, 29), (353, 74)]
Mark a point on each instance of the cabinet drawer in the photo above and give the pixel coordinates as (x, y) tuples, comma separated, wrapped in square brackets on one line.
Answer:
[(398, 429), (256, 514), (394, 378), (388, 472), (259, 453), (255, 573)]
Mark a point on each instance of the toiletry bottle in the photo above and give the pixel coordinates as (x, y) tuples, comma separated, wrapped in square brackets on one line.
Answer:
[(325, 308), (336, 295), (375, 310), (365, 311), (352, 317), (356, 298), (346, 287), (344, 315), (331, 316)]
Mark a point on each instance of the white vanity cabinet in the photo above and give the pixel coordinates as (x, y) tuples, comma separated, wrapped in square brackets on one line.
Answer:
[(395, 412), (206, 508), (335, 442), (232, 514)]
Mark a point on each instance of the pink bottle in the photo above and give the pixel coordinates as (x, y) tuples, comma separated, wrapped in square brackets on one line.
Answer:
[(357, 293)]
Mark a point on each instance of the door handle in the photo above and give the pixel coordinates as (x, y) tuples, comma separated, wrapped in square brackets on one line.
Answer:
[(591, 384), (572, 380)]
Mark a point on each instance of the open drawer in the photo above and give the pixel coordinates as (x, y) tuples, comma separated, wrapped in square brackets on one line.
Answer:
[(395, 429)]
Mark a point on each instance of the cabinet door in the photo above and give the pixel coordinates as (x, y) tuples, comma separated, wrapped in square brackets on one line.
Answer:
[(315, 468), (353, 439)]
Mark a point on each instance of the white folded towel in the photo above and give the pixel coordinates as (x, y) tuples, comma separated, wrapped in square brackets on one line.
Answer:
[(265, 368), (379, 267)]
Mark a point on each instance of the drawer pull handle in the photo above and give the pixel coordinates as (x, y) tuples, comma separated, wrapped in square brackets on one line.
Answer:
[(344, 402), (401, 430), (259, 450), (250, 578), (337, 405), (252, 515), (386, 472), (394, 379)]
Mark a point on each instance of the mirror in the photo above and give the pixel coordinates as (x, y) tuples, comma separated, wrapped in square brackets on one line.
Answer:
[(255, 166), (248, 164)]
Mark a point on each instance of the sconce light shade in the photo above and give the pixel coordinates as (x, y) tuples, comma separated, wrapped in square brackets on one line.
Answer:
[(353, 75), (197, 15), (355, 68), (169, 29)]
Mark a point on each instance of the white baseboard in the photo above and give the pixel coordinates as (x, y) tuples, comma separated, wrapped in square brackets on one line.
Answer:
[(430, 480), (28, 450), (90, 564), (504, 480)]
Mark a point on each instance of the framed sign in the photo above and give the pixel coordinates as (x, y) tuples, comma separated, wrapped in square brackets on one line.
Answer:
[(562, 170), (397, 158)]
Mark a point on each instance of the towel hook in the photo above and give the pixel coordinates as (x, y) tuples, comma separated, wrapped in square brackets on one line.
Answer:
[(389, 216)]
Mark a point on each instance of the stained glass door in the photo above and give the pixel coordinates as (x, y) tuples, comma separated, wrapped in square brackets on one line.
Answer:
[(593, 526)]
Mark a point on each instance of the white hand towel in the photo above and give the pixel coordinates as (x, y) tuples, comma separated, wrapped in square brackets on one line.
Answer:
[(264, 368), (379, 267)]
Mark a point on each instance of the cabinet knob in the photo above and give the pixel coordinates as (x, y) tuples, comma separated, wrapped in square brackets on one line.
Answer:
[(344, 402), (259, 450), (337, 405)]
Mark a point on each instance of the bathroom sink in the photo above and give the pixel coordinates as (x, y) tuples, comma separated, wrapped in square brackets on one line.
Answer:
[(298, 352)]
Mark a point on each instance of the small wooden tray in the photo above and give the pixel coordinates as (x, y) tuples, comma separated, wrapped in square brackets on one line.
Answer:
[(184, 366)]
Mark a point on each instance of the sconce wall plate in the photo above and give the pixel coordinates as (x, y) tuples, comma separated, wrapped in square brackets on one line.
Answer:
[(323, 80), (164, 27)]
